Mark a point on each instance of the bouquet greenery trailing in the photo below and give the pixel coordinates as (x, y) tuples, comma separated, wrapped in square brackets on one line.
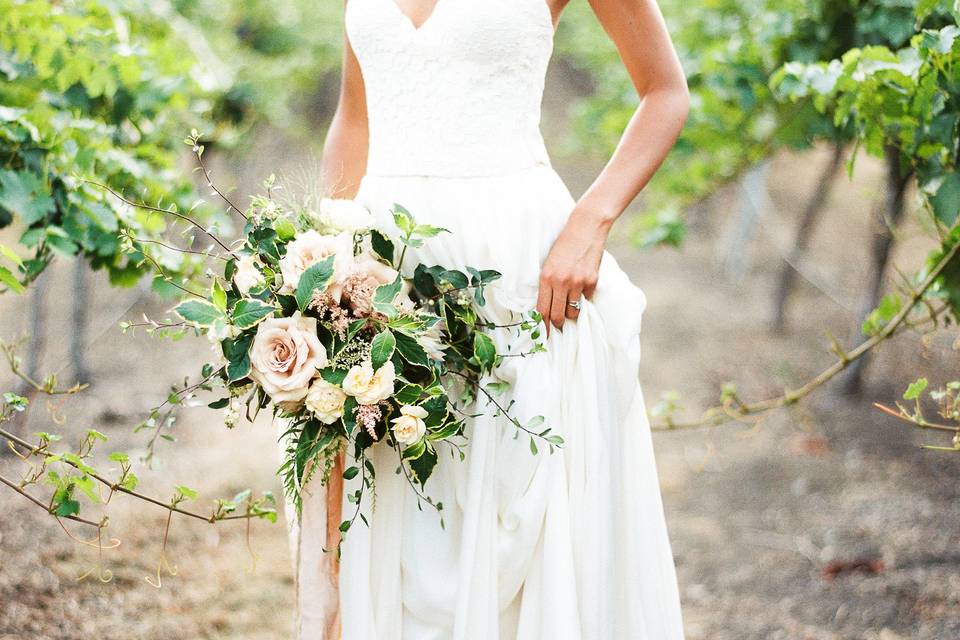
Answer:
[(315, 321)]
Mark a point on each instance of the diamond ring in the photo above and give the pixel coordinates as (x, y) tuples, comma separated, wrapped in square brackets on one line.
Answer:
[(574, 303)]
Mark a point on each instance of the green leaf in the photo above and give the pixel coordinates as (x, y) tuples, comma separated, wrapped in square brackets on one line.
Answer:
[(130, 481), (68, 507), (456, 279), (423, 465), (351, 473), (348, 417), (60, 241), (446, 430), (438, 408), (946, 201), (890, 305), (924, 8), (484, 350), (916, 389), (428, 231), (101, 215), (425, 279), (237, 353), (382, 245), (414, 451), (411, 351), (385, 294), (187, 492), (334, 376), (199, 312), (7, 278), (86, 484), (285, 229), (408, 394), (10, 255), (403, 220), (218, 296), (381, 349), (313, 279), (249, 311), (26, 195)]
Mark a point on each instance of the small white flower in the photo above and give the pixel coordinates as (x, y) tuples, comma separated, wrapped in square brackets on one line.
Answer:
[(431, 341), (325, 401), (247, 276), (409, 428), (340, 216), (230, 415), (369, 386)]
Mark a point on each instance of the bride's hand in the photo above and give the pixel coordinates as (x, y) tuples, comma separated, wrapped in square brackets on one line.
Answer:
[(571, 268)]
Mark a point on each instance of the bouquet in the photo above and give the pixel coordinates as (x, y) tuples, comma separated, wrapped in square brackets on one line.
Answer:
[(314, 320)]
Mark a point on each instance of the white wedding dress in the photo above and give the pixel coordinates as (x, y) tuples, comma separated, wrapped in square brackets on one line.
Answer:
[(568, 546)]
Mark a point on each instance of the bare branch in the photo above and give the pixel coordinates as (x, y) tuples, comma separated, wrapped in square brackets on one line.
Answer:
[(727, 412), (147, 207)]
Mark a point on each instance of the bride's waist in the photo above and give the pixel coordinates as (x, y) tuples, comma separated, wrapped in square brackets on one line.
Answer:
[(449, 154)]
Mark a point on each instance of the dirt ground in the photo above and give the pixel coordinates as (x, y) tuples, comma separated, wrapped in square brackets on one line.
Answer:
[(756, 513)]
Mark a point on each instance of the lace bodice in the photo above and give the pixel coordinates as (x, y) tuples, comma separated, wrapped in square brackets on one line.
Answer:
[(458, 96)]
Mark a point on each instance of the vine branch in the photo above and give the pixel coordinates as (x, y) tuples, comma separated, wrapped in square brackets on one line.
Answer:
[(147, 207), (738, 411), (114, 486)]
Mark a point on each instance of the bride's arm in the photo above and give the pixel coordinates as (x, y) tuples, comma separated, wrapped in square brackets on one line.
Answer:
[(344, 159), (638, 30)]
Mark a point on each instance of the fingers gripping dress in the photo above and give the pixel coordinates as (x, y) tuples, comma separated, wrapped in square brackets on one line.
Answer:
[(568, 546)]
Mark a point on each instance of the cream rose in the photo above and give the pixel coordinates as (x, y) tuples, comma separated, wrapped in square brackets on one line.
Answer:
[(285, 356), (247, 275), (309, 248), (344, 215), (369, 386), (325, 401), (409, 427)]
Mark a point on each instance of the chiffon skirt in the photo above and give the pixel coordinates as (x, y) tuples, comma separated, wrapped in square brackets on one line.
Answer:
[(564, 546)]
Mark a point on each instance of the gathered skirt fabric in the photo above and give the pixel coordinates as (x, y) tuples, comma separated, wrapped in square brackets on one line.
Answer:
[(569, 545)]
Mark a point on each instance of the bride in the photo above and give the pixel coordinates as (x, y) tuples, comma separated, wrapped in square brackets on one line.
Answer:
[(439, 111)]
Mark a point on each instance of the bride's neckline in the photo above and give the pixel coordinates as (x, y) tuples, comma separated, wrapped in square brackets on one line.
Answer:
[(409, 21), (438, 8)]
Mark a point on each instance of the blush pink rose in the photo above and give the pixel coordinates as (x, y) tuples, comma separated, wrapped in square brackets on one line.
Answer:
[(365, 274), (309, 248), (285, 356)]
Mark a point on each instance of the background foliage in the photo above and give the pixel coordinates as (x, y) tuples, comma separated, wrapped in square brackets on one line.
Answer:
[(90, 89)]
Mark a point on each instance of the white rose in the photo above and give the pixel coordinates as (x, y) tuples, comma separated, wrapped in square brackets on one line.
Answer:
[(409, 427), (309, 248), (344, 215), (369, 386), (325, 401), (247, 275), (285, 356)]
